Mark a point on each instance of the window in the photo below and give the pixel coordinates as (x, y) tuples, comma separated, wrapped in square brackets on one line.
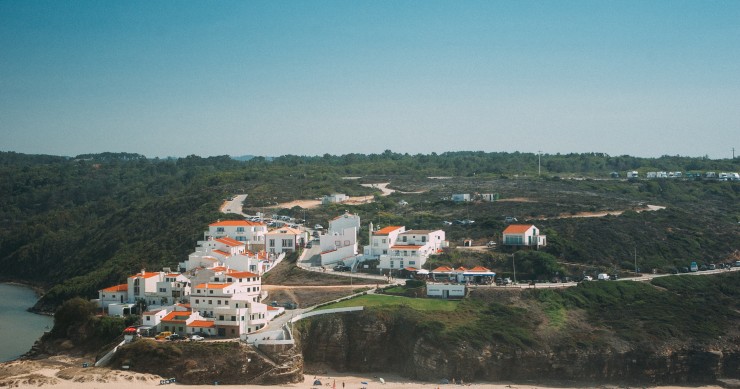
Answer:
[(385, 252), (219, 229), (162, 290), (412, 262), (383, 240), (400, 264), (221, 317), (233, 318), (391, 263), (197, 301), (239, 229), (338, 243), (272, 242), (210, 302), (423, 239), (218, 302), (287, 242), (404, 239)]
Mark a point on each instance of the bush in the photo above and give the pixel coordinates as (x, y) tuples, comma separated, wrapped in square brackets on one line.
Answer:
[(415, 284)]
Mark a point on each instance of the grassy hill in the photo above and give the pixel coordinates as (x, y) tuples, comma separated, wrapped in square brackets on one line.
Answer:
[(74, 225)]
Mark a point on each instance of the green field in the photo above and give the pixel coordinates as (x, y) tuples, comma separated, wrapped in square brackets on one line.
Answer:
[(374, 300)]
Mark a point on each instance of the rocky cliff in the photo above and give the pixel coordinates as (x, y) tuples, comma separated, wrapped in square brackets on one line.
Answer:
[(371, 342)]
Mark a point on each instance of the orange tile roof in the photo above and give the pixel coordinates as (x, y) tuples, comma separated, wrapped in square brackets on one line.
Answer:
[(230, 242), (461, 268), (177, 316), (145, 275), (401, 247), (222, 253), (271, 308), (211, 285), (219, 268), (386, 230), (117, 288), (284, 230), (230, 223), (410, 268), (517, 228), (202, 324), (172, 275), (442, 269), (480, 269), (241, 274)]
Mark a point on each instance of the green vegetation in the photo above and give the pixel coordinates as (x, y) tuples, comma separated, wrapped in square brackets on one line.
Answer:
[(680, 309), (76, 225), (375, 300)]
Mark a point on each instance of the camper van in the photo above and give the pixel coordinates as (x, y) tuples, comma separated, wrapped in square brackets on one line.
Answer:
[(694, 267), (603, 277), (633, 174)]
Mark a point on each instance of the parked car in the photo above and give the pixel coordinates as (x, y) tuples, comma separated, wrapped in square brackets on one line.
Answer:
[(162, 335), (603, 277), (613, 277), (175, 337), (318, 227), (588, 278), (342, 268), (196, 338), (309, 245)]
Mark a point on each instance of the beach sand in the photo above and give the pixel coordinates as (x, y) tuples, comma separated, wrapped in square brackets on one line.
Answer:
[(68, 373)]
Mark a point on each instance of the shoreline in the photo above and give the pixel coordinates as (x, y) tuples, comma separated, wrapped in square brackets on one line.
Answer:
[(64, 372)]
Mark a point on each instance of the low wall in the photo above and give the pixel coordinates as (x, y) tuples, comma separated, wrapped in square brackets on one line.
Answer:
[(324, 312)]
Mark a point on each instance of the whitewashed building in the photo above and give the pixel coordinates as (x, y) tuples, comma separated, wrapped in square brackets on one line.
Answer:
[(523, 235), (284, 239)]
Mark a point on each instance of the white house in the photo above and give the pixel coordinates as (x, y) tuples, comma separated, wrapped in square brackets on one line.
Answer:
[(489, 196), (523, 235), (249, 232), (412, 248), (334, 198), (153, 318), (382, 240), (117, 294), (446, 290), (460, 197), (340, 241), (284, 239)]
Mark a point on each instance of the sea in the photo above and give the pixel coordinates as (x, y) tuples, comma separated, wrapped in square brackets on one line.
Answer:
[(19, 329)]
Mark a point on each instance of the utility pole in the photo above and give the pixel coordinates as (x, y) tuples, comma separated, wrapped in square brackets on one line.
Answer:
[(539, 162), (635, 259), (513, 263), (733, 153)]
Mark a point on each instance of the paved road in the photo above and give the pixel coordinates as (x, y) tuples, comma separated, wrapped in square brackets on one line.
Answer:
[(234, 205)]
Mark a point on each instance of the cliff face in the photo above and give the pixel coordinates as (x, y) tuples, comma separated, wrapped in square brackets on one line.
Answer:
[(366, 342)]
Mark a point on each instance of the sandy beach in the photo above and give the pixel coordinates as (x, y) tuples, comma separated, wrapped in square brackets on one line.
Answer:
[(67, 373)]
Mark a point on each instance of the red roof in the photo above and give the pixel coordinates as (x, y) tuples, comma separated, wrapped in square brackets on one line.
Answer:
[(219, 268), (117, 288), (386, 230), (271, 308), (442, 269), (480, 269), (177, 316), (224, 253), (236, 223), (241, 274), (202, 324), (401, 247), (517, 228), (145, 274), (410, 269), (230, 242), (211, 285), (461, 268)]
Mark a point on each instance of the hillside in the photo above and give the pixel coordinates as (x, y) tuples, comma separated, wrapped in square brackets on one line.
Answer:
[(74, 225), (678, 329)]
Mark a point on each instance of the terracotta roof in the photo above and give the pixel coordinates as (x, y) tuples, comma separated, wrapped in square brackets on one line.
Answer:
[(284, 230), (173, 275), (117, 288), (461, 268), (386, 230), (224, 253), (212, 285), (410, 268), (236, 223), (401, 247), (230, 242), (145, 275), (241, 274), (417, 232), (480, 269), (177, 316), (271, 308), (202, 324), (517, 228), (219, 268), (442, 269)]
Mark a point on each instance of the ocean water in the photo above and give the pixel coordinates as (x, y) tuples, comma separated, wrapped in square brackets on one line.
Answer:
[(19, 329)]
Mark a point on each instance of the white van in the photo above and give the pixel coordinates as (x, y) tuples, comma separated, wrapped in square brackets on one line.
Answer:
[(603, 277)]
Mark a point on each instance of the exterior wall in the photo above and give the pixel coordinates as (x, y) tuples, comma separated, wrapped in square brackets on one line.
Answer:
[(334, 256), (143, 286), (461, 197), (334, 198), (107, 298), (342, 222), (446, 291), (381, 244), (283, 240), (153, 318), (531, 237)]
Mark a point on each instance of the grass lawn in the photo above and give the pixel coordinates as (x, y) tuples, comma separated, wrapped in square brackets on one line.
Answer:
[(374, 300)]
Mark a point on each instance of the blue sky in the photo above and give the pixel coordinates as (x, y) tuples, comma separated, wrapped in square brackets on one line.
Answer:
[(173, 78)]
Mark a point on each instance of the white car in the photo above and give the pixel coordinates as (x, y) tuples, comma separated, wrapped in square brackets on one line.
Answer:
[(588, 278), (318, 227), (196, 338)]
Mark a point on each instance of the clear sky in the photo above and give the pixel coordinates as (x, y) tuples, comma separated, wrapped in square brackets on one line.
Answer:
[(173, 78)]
